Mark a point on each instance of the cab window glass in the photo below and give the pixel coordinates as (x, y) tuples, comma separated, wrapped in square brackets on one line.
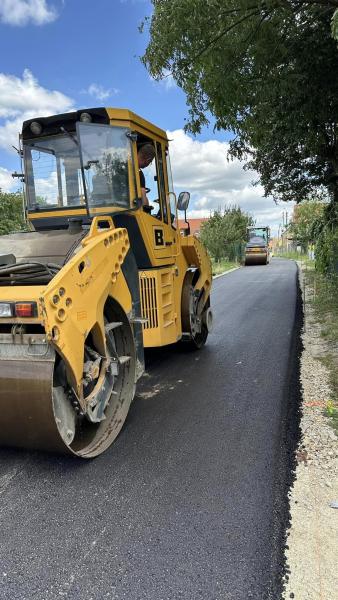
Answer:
[(150, 176), (154, 180), (172, 205), (172, 198), (170, 177), (106, 155), (53, 173), (161, 183)]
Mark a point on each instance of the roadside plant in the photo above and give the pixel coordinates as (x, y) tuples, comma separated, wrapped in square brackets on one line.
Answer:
[(11, 212), (225, 232)]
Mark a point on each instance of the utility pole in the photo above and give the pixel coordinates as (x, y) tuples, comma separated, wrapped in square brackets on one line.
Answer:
[(278, 244), (286, 231)]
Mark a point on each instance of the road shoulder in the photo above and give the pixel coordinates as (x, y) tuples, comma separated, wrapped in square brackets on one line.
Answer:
[(312, 542), (225, 272)]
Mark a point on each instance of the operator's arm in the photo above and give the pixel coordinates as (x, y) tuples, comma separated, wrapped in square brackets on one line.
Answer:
[(145, 201)]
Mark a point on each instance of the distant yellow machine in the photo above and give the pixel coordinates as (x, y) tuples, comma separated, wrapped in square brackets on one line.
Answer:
[(257, 251), (93, 281)]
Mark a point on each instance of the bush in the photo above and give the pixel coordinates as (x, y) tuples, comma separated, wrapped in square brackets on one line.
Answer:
[(327, 251), (325, 232), (224, 233), (11, 212)]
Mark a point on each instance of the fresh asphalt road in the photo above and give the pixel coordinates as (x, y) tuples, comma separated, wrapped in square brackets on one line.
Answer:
[(183, 505)]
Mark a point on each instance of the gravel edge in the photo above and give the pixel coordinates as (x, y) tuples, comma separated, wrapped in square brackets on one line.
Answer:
[(311, 549)]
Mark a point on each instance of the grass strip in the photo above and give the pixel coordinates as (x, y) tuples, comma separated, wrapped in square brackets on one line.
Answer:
[(324, 300), (222, 266)]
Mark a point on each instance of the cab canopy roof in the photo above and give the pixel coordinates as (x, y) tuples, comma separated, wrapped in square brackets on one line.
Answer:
[(119, 116), (258, 227)]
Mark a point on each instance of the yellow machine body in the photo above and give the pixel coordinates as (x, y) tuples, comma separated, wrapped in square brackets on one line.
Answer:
[(99, 277), (257, 247)]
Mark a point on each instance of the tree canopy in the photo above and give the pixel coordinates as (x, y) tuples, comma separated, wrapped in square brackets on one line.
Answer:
[(224, 232), (11, 212), (305, 219), (266, 70)]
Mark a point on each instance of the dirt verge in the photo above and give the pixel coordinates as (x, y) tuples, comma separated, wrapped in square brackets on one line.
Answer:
[(311, 551)]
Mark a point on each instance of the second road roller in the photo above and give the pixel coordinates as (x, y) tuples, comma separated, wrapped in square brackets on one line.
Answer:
[(101, 273), (257, 247)]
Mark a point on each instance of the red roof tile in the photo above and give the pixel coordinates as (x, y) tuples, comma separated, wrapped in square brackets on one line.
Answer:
[(195, 224)]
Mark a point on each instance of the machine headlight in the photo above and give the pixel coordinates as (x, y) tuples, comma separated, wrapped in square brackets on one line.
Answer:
[(18, 309), (6, 309), (36, 128), (85, 117)]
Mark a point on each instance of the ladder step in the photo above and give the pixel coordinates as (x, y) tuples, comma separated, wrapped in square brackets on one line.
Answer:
[(112, 326), (124, 359), (141, 320)]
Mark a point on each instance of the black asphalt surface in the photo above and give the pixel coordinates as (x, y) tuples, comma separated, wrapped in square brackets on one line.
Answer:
[(189, 503)]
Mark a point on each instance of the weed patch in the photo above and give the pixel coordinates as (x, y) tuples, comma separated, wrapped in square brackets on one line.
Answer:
[(324, 300), (221, 266)]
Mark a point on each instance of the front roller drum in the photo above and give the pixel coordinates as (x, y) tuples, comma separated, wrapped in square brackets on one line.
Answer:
[(256, 259), (38, 412), (26, 407)]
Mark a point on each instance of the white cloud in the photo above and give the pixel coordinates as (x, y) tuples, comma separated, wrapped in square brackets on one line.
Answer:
[(22, 12), (214, 182), (46, 187), (168, 82), (7, 183), (22, 99), (99, 92)]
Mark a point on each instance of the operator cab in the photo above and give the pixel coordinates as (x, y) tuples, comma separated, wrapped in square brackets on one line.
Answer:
[(85, 163), (257, 236)]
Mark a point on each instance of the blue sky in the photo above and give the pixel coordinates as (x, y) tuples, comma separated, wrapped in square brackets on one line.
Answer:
[(56, 55)]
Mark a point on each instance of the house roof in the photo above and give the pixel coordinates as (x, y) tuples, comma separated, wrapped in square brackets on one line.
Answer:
[(195, 224)]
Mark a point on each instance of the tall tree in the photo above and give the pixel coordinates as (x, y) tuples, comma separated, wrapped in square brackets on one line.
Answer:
[(305, 218), (11, 212), (224, 232), (267, 70)]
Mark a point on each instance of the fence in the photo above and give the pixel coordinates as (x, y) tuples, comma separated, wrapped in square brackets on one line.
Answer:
[(235, 252)]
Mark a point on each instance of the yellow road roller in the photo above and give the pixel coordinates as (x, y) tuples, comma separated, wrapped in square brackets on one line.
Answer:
[(101, 273), (257, 246)]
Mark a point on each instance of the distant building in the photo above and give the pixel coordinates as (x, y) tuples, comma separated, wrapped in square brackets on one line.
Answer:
[(195, 225)]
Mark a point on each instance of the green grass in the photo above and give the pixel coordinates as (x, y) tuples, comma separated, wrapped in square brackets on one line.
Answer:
[(222, 266), (331, 363), (296, 256), (292, 255), (324, 300)]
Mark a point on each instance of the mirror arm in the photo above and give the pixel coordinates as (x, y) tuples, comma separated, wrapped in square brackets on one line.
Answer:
[(187, 222)]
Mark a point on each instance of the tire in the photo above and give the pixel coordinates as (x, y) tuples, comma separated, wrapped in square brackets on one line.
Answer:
[(199, 338)]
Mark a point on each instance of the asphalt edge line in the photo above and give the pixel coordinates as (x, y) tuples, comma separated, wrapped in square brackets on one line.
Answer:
[(289, 442), (226, 272)]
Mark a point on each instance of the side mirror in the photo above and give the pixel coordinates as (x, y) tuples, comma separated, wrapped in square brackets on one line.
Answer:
[(183, 201)]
